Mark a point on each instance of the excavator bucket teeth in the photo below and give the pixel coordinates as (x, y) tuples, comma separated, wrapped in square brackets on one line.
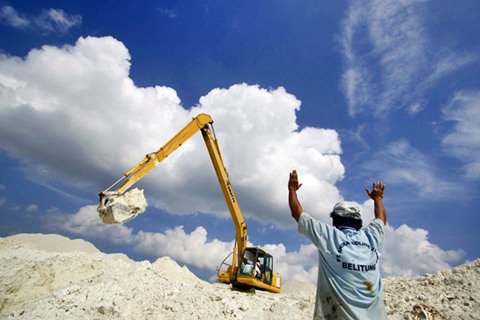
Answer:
[(121, 208)]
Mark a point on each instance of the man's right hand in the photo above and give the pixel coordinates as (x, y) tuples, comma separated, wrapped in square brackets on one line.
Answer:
[(377, 191)]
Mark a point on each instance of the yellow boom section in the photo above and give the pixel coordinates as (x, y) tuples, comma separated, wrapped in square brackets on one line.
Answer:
[(153, 159), (228, 193)]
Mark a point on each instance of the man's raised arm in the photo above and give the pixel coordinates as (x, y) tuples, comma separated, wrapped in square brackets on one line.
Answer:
[(293, 202)]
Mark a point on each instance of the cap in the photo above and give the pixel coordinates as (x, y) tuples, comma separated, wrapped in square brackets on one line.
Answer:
[(347, 210)]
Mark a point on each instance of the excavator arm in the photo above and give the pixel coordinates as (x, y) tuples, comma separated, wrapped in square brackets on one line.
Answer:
[(238, 219), (117, 206)]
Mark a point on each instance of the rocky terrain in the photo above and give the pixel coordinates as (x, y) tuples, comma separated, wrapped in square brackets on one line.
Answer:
[(53, 277)]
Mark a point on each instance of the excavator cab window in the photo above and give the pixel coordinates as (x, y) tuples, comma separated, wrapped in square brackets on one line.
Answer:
[(268, 268), (248, 263)]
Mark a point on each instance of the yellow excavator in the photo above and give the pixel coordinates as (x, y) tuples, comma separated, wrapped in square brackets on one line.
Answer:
[(251, 267)]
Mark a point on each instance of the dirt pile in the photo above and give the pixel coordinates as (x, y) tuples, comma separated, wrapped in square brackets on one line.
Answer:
[(450, 294), (73, 280)]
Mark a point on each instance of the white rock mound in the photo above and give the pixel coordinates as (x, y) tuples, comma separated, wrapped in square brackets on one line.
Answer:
[(40, 284), (53, 277), (449, 294)]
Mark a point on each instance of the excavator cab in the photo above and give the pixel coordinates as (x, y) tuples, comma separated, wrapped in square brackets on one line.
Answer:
[(256, 263), (256, 271)]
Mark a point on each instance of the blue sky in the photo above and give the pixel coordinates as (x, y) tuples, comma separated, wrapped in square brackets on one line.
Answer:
[(346, 92)]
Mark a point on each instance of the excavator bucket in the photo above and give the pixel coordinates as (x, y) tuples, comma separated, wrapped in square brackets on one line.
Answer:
[(120, 208)]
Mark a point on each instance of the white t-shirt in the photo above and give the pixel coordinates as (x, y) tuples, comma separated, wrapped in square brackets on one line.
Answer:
[(349, 284)]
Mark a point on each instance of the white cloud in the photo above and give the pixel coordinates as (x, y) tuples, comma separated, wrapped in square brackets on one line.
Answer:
[(169, 13), (401, 164), (74, 115), (32, 208), (56, 20), (390, 59), (384, 35), (193, 249), (463, 142), (446, 63), (49, 20), (86, 223), (9, 16), (357, 88), (256, 131), (406, 251)]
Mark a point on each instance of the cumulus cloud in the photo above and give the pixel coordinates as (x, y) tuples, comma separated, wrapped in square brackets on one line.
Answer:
[(48, 21), (390, 59), (463, 141), (406, 251), (78, 116), (86, 223), (193, 249)]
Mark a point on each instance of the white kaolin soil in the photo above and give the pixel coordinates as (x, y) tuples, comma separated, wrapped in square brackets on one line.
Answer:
[(53, 277)]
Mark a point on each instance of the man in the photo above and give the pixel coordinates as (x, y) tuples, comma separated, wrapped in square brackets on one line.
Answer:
[(349, 284)]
